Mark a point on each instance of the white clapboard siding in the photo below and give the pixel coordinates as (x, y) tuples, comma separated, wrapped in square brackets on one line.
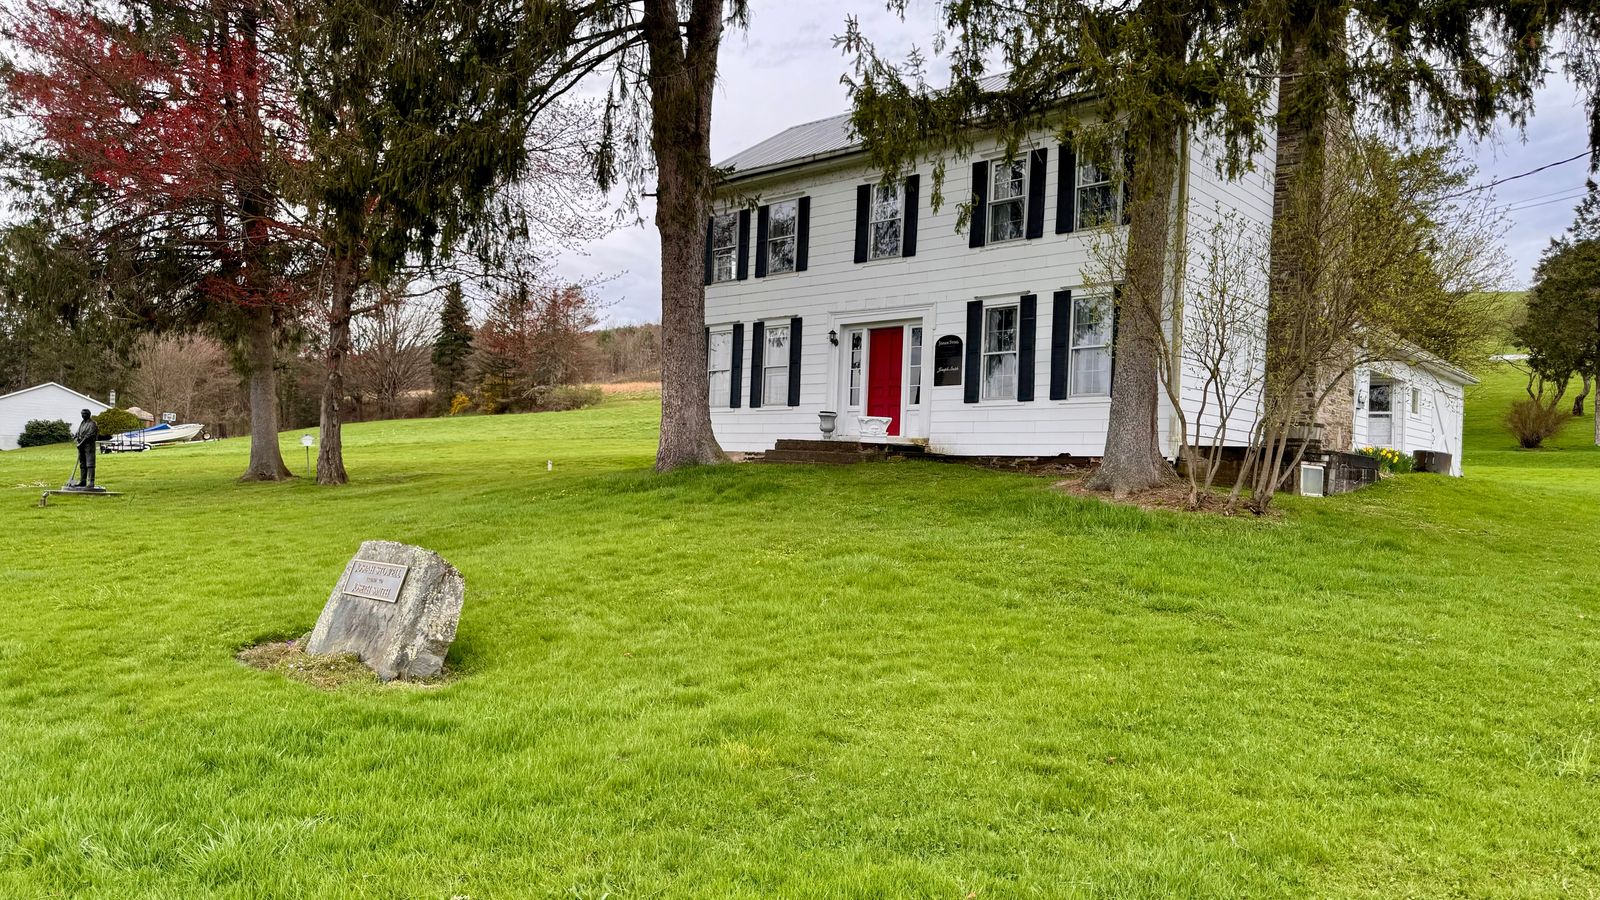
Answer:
[(935, 287)]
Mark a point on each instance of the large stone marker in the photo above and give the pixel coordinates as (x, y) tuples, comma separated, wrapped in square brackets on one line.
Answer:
[(396, 607)]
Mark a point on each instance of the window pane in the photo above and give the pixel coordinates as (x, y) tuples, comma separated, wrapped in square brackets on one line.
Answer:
[(781, 219), (1008, 180), (721, 349), (916, 346), (1000, 329), (999, 376), (1005, 221), (1091, 372), (1089, 173), (723, 269), (1379, 395), (775, 386), (780, 255), (1091, 320), (1098, 205), (777, 342), (886, 202), (725, 230), (885, 239), (855, 368)]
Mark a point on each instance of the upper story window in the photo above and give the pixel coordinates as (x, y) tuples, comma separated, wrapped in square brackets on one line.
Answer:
[(775, 367), (1000, 353), (888, 215), (719, 366), (782, 236), (1008, 200), (1099, 200), (1090, 372), (724, 246)]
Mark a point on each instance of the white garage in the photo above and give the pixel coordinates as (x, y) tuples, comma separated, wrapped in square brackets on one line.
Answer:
[(1411, 404), (42, 401)]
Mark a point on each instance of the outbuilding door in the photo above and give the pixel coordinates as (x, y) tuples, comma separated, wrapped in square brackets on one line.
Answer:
[(885, 353), (1380, 415)]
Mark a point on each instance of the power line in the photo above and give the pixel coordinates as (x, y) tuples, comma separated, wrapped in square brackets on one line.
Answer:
[(1546, 202), (1484, 187)]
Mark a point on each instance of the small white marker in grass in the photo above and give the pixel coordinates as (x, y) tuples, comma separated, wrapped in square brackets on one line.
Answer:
[(549, 465)]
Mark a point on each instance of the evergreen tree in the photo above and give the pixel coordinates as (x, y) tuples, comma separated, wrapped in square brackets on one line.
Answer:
[(1562, 328), (452, 349)]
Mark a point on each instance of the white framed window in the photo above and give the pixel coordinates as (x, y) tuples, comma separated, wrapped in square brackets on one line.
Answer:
[(783, 233), (1008, 200), (1089, 372), (1378, 398), (724, 246), (888, 218), (1099, 199), (857, 356), (1416, 401), (775, 367), (914, 367), (1000, 353), (719, 367)]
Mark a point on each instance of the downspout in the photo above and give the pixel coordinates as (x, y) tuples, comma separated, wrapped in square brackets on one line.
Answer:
[(1179, 263)]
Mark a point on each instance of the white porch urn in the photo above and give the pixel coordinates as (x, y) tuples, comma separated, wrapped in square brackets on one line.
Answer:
[(875, 429), (827, 419)]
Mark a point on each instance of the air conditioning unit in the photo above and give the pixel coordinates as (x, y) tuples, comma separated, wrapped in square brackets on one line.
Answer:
[(1312, 479)]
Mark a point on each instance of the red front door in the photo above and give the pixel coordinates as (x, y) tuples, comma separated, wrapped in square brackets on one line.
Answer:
[(884, 373)]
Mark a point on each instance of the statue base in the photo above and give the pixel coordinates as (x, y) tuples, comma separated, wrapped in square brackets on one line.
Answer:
[(70, 491)]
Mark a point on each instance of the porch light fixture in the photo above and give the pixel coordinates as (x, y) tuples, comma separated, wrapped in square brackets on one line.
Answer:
[(833, 337)]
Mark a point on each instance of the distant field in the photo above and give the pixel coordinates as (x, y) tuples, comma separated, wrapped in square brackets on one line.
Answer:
[(904, 679)]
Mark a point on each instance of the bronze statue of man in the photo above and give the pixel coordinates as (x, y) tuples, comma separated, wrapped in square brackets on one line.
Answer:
[(84, 436)]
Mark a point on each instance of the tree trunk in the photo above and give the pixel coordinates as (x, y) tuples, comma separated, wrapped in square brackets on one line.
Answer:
[(261, 338), (330, 449), (1577, 402), (1133, 459), (1597, 409), (682, 75)]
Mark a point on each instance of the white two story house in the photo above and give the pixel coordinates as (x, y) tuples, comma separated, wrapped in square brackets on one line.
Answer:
[(829, 290)]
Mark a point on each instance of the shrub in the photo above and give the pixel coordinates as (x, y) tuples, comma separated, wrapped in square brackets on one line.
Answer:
[(460, 404), (570, 396), (1532, 422), (113, 422), (1390, 459), (41, 432)]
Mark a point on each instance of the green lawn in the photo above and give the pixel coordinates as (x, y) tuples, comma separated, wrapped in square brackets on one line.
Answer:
[(894, 680)]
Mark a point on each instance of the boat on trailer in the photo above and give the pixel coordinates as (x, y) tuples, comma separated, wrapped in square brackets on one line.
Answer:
[(155, 435)]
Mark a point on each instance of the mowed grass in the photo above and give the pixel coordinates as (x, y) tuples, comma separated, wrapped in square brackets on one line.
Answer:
[(890, 680)]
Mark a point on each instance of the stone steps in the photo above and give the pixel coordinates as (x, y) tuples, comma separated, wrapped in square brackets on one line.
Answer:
[(835, 452)]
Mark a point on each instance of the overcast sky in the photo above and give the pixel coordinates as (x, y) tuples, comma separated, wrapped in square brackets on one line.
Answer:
[(785, 70)]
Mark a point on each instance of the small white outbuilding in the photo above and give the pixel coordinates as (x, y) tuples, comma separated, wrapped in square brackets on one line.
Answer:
[(42, 401), (1410, 404)]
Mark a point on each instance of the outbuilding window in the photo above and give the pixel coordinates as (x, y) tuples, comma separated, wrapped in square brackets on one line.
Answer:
[(1416, 401), (1000, 353)]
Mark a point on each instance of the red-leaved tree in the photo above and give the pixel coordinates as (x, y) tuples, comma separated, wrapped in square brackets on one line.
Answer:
[(180, 133)]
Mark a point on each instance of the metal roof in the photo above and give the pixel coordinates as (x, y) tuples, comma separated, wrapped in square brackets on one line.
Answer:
[(800, 143)]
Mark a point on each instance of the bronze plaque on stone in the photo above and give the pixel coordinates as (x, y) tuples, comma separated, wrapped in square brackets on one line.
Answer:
[(375, 580)]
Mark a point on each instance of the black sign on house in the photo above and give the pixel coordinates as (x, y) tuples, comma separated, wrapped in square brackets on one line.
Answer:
[(947, 361)]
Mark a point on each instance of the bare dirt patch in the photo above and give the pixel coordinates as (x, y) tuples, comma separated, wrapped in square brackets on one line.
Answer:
[(631, 387), (327, 673), (1174, 496)]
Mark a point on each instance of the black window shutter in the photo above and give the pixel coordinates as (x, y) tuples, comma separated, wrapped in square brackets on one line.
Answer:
[(794, 361), (744, 245), (1038, 162), (762, 218), (802, 239), (735, 379), (708, 346), (1066, 188), (980, 206), (758, 340), (1028, 320), (970, 387), (908, 235), (1060, 329), (710, 262), (863, 209)]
